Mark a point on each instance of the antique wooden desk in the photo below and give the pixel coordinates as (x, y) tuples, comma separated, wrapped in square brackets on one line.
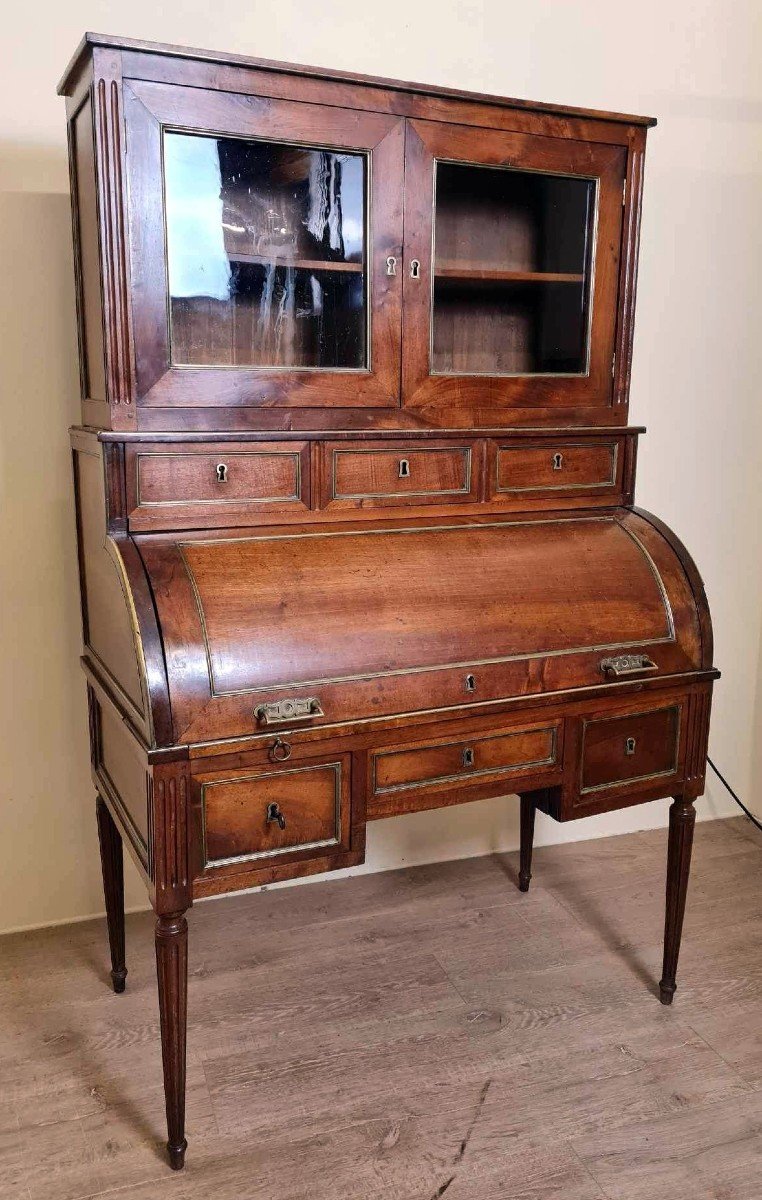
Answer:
[(355, 481)]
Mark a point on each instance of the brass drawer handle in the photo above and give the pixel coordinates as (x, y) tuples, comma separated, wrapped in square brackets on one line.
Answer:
[(274, 814), (282, 712), (280, 751), (627, 664)]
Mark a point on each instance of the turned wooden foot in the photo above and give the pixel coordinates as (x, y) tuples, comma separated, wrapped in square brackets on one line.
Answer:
[(172, 973), (112, 865), (527, 840), (682, 817)]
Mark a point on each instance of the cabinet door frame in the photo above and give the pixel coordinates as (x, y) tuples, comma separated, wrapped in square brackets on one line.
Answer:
[(430, 142), (152, 108)]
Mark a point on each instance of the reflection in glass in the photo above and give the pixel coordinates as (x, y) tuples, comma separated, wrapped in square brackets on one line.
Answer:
[(265, 254), (512, 271)]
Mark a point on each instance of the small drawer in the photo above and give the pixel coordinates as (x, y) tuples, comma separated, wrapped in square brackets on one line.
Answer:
[(300, 810), (630, 749), (208, 485), (382, 474), (555, 468), (466, 759)]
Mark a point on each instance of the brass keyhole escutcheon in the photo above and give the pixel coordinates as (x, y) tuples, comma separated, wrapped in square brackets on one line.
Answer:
[(629, 746), (274, 814), (391, 265), (558, 462), (222, 473), (404, 471), (470, 683), (415, 269), (468, 757)]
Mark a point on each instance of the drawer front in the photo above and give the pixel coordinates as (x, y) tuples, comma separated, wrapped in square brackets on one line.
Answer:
[(460, 761), (630, 749), (267, 815), (376, 476), (208, 485), (555, 468)]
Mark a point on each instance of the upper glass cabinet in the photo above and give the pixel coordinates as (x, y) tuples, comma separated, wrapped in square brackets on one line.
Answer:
[(512, 272), (261, 237), (265, 254), (512, 289)]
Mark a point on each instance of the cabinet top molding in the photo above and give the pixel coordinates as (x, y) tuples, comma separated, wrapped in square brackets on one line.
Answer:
[(138, 46)]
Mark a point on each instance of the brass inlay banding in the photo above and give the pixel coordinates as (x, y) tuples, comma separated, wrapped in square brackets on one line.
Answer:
[(178, 503), (403, 494), (600, 787), (281, 685), (464, 776), (558, 487), (279, 850)]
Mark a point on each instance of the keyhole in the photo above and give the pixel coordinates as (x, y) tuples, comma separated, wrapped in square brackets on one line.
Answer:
[(415, 269), (470, 683), (468, 757), (391, 265), (404, 469), (222, 473), (274, 814), (629, 746), (558, 462)]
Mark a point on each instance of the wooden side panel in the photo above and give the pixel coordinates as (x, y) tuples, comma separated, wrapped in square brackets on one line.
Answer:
[(108, 630), (87, 254)]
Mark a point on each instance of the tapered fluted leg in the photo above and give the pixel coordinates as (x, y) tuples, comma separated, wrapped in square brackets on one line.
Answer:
[(172, 973), (527, 840), (682, 817), (112, 865)]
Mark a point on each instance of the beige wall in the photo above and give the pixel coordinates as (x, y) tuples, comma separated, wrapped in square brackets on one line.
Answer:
[(693, 63)]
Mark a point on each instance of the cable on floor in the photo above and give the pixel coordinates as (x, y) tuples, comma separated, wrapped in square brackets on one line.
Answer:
[(740, 803)]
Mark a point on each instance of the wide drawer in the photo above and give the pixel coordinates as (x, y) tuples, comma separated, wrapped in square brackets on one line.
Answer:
[(464, 759), (554, 468), (210, 485), (377, 475), (628, 749), (247, 816)]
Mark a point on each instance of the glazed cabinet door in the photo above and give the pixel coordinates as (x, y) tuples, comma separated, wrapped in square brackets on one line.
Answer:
[(512, 248), (264, 240)]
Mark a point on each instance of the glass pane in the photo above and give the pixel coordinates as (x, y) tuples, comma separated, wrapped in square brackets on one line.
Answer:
[(266, 254), (512, 272)]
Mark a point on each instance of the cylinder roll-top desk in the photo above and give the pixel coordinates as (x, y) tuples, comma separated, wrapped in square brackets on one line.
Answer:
[(355, 479)]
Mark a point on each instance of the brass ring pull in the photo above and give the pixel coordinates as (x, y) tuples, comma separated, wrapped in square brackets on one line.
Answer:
[(280, 751)]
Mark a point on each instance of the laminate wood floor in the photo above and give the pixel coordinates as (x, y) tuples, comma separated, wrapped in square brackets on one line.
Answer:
[(413, 1035)]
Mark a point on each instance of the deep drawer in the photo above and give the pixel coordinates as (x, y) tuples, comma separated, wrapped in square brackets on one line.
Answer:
[(250, 816), (459, 761), (638, 747), (555, 468), (205, 485), (400, 473)]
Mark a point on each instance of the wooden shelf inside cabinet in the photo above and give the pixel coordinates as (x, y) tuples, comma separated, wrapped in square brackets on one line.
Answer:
[(452, 272), (301, 264)]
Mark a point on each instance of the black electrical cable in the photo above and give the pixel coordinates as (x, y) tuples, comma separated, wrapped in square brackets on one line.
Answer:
[(740, 803)]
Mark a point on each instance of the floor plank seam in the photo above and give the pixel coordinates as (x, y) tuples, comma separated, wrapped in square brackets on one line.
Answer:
[(605, 1195)]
